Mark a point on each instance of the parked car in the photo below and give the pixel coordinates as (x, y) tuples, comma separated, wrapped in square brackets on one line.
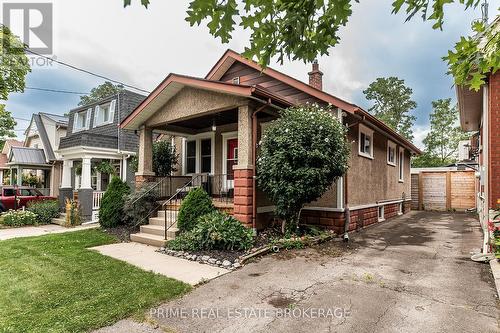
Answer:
[(22, 194)]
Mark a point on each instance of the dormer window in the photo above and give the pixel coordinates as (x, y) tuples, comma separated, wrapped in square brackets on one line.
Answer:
[(104, 114), (81, 120)]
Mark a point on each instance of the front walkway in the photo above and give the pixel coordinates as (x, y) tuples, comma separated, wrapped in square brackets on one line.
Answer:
[(146, 257), (40, 230), (410, 274)]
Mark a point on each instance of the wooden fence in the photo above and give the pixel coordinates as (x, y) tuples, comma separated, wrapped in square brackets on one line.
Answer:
[(443, 190)]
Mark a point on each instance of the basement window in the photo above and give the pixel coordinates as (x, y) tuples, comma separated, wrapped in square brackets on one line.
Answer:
[(365, 142), (381, 213)]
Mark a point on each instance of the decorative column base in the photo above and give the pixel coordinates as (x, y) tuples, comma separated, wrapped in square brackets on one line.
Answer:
[(243, 204), (63, 194), (85, 202), (141, 179)]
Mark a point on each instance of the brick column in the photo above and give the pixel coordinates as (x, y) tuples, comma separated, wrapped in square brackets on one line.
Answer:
[(494, 140), (243, 196)]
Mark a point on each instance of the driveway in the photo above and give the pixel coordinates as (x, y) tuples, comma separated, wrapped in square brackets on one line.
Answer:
[(409, 274)]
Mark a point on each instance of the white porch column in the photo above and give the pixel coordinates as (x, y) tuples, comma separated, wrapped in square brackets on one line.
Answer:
[(66, 174), (19, 176), (145, 167), (124, 168), (86, 173)]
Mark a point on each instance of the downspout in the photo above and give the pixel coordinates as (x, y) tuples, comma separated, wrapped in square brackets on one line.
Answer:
[(254, 160)]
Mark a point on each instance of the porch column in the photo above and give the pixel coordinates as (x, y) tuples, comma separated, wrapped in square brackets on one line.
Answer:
[(19, 176), (85, 191), (145, 167), (66, 191), (243, 171)]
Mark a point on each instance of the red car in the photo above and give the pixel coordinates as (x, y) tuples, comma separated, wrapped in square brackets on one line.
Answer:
[(22, 194)]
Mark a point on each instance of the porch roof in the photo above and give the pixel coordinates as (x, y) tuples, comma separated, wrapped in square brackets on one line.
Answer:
[(173, 83), (27, 157)]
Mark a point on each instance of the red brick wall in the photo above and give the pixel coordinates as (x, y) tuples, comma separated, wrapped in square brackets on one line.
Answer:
[(243, 196), (494, 136)]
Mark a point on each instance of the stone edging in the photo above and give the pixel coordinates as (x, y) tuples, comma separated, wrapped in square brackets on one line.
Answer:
[(227, 264)]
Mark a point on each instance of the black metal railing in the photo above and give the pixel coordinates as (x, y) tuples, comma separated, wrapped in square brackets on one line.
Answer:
[(222, 187), (171, 206)]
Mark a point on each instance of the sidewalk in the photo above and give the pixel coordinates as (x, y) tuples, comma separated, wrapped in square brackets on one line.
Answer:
[(40, 230), (146, 257)]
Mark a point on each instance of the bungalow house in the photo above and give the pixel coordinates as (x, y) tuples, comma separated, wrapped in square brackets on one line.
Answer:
[(36, 163), (216, 121), (4, 168), (93, 137), (480, 113)]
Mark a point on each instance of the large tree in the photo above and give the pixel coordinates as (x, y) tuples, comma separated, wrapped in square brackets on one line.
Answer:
[(392, 104), (441, 143), (304, 29), (14, 64), (7, 124), (104, 90)]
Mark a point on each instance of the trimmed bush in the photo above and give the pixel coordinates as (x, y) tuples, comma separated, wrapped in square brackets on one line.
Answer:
[(46, 210), (113, 200), (137, 211), (19, 218), (197, 203), (214, 231)]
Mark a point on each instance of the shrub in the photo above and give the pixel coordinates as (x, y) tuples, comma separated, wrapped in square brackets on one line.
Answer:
[(302, 153), (113, 200), (214, 231), (197, 203), (46, 210), (19, 218), (164, 158), (139, 204)]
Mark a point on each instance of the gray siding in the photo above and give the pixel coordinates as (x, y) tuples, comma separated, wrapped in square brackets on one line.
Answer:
[(106, 136)]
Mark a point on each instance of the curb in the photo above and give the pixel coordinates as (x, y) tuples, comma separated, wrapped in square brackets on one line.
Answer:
[(495, 269)]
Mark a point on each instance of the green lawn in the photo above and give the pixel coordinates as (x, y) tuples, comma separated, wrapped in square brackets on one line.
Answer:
[(54, 284)]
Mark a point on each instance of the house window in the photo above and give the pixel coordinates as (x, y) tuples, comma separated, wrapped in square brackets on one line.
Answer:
[(401, 166), (104, 113), (365, 141), (191, 156), (206, 155), (391, 153), (81, 120), (381, 213), (236, 80)]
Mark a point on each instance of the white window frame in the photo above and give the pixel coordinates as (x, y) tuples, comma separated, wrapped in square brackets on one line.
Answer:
[(112, 107), (392, 145), (225, 137), (367, 132), (401, 159), (198, 138), (381, 213), (87, 120)]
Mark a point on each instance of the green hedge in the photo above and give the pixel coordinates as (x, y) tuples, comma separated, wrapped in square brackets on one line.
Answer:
[(46, 210), (214, 231), (111, 210), (196, 204)]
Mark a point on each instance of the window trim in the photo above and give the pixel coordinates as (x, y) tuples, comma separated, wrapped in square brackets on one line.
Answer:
[(112, 108), (87, 120), (390, 145), (198, 138), (362, 129), (401, 171)]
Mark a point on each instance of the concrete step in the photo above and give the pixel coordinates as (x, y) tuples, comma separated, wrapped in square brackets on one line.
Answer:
[(161, 221), (170, 213), (159, 230), (148, 239), (59, 220)]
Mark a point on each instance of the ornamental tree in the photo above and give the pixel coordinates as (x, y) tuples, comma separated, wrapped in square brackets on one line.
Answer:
[(301, 154)]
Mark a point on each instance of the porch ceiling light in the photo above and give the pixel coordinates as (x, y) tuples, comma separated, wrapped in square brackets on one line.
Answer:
[(214, 127)]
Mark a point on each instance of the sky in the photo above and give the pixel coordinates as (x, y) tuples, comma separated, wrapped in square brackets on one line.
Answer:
[(141, 46)]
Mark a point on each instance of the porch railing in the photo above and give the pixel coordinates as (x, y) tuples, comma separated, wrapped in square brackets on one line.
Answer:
[(221, 187), (96, 199)]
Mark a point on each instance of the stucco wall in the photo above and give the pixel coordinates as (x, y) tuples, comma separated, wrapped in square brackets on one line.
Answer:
[(191, 102), (372, 180)]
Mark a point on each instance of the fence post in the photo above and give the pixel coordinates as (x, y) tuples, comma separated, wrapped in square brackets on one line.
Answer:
[(448, 190)]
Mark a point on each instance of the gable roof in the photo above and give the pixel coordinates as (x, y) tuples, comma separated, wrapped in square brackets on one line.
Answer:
[(59, 119), (27, 156), (11, 143)]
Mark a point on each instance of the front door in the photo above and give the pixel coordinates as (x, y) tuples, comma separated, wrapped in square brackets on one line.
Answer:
[(231, 160)]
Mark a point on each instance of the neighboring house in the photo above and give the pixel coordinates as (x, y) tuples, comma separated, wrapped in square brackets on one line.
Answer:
[(93, 137), (480, 112), (215, 122), (36, 163), (4, 168)]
